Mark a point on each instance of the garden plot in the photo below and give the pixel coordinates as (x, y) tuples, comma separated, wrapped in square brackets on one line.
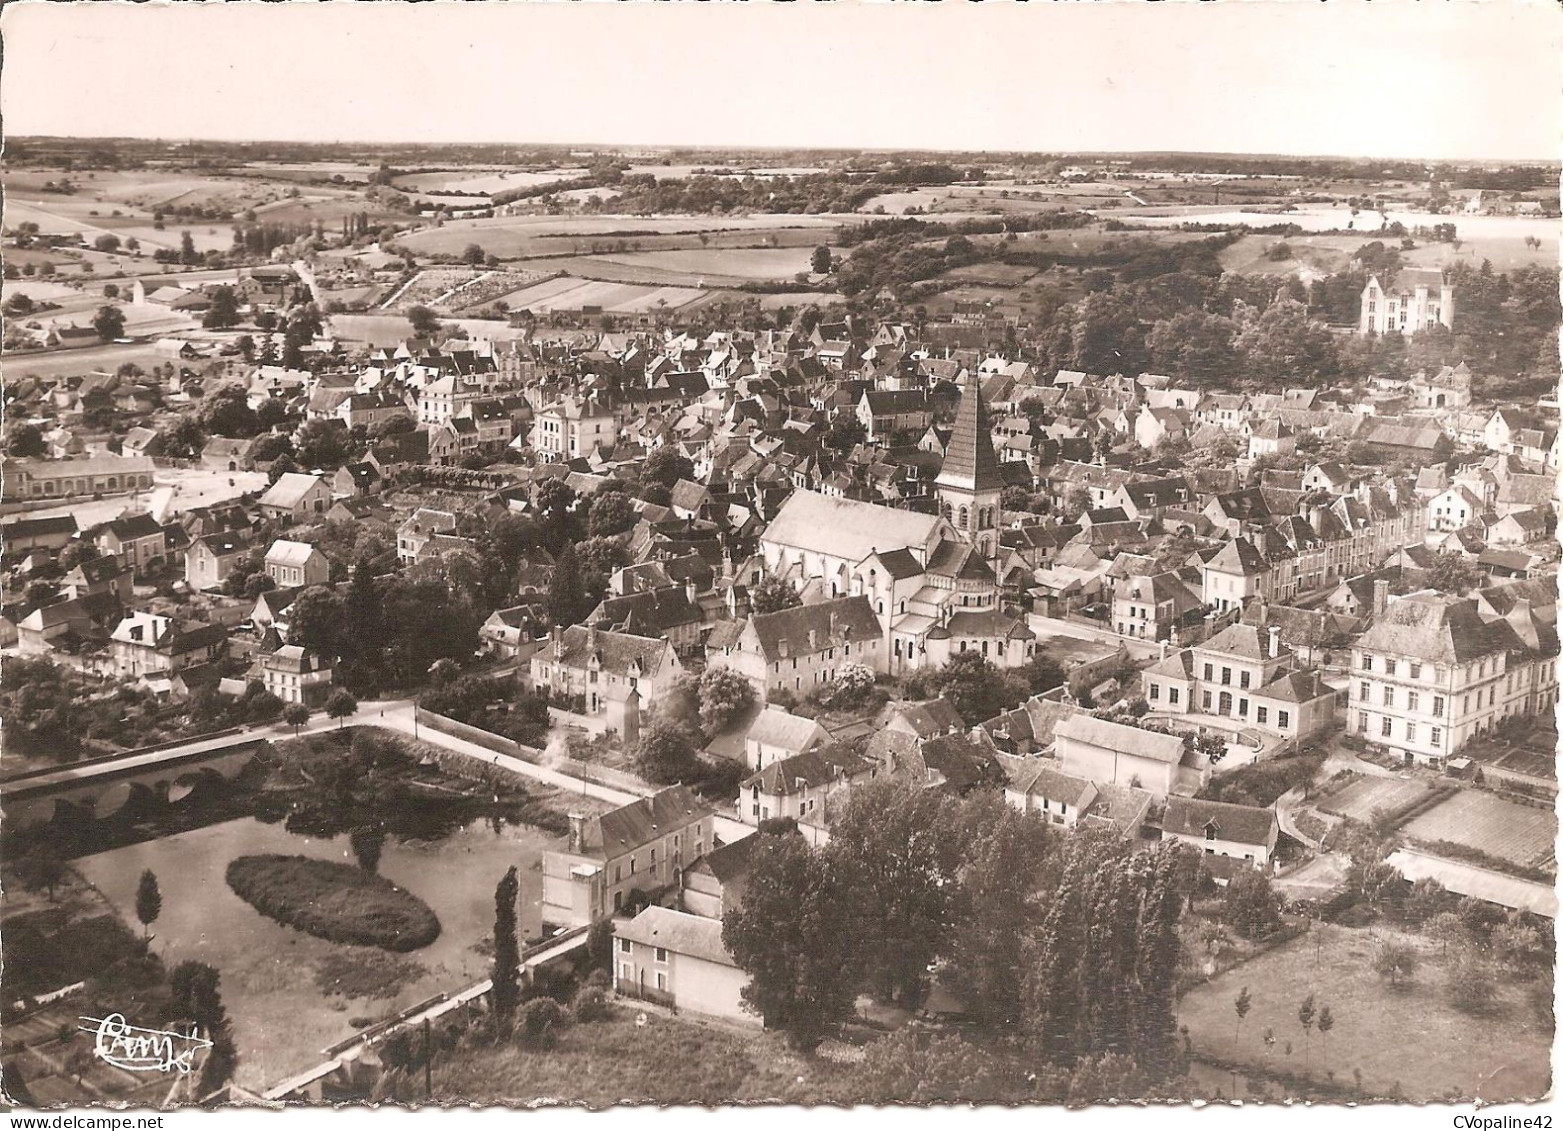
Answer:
[(1505, 829), (1361, 799)]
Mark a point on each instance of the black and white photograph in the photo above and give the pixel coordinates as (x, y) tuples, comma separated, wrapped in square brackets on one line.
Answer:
[(818, 555)]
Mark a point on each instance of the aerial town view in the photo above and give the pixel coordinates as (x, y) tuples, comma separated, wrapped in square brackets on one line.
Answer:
[(895, 623)]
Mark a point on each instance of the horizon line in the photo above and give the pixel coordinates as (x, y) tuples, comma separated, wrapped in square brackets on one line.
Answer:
[(773, 147)]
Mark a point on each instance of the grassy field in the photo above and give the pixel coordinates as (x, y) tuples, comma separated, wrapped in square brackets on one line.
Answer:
[(511, 237), (569, 293), (338, 902), (1360, 799), (670, 1060), (1492, 825), (739, 263), (480, 180), (1411, 1036)]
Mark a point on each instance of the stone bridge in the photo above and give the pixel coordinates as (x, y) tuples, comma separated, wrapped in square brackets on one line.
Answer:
[(101, 787)]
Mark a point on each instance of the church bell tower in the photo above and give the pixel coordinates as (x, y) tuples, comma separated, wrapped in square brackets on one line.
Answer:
[(970, 481)]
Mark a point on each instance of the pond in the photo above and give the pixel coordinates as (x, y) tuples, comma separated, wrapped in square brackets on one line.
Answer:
[(275, 980)]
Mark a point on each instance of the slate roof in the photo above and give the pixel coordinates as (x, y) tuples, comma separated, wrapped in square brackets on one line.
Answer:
[(786, 632), (677, 932), (970, 461), (1245, 824), (641, 821), (1124, 739), (615, 651)]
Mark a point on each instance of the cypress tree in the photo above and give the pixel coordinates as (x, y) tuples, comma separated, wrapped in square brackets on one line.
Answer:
[(507, 953)]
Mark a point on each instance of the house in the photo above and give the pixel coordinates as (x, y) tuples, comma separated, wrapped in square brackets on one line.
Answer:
[(1271, 438), (295, 496), (604, 675), (798, 650), (272, 610), (221, 453), (572, 427), (296, 676), (68, 624), (805, 787), (418, 531), (146, 645), (99, 575), (1036, 785), (1435, 671), (669, 612), (296, 563), (137, 540), (354, 479), (210, 558), (715, 883), (676, 959), (642, 846), (20, 534), (1102, 751), (1218, 828), (1414, 299), (508, 633), (776, 734)]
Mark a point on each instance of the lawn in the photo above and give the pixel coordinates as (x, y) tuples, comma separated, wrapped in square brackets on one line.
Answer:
[(1492, 825), (668, 1060), (1411, 1036)]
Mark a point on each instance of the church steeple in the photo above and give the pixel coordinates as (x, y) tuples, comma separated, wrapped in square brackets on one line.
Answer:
[(971, 479)]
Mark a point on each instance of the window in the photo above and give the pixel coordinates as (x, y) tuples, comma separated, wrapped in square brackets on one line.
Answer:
[(662, 954), (1389, 666), (1437, 736), (1283, 719), (1410, 732), (618, 872), (1412, 700), (1226, 676), (1389, 696), (1385, 726), (1438, 705), (1362, 720), (1206, 701), (624, 946), (1172, 694), (1155, 692), (1416, 671), (1364, 688), (1367, 663), (1261, 715), (1209, 672), (632, 865)]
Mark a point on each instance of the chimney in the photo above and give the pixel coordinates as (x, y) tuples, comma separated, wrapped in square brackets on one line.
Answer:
[(591, 638), (811, 640), (1380, 597), (1275, 641), (691, 591), (558, 638), (577, 831)]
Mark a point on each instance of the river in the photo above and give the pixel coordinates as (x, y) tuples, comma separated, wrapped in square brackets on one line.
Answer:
[(281, 1017)]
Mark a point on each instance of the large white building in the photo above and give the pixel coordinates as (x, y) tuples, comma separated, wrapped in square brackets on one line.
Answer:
[(1415, 299), (1434, 672)]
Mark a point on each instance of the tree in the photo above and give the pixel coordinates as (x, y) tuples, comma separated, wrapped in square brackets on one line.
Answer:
[(318, 622), (368, 842), (1251, 905), (149, 901), (42, 869), (665, 755), (19, 305), (294, 714), (1306, 1016), (844, 432), (820, 262), (567, 601), (610, 514), (1451, 573), (223, 311), (25, 441), (340, 705), (1326, 1023), (506, 994), (284, 464), (773, 594), (194, 1001), (1470, 984), (396, 424), (1395, 961), (184, 438), (724, 696), (423, 321), (1241, 1005), (109, 323), (187, 253), (473, 255), (793, 934), (666, 465), (108, 243), (540, 1022), (975, 688), (323, 444), (227, 412)]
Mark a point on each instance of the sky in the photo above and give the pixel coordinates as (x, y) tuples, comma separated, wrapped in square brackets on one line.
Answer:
[(1438, 79)]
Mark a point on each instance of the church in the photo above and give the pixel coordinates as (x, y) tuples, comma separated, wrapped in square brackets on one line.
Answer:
[(933, 579)]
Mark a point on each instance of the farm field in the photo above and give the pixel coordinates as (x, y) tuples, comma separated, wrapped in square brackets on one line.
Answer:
[(1317, 255), (1360, 799), (991, 274), (740, 263), (93, 359), (392, 329), (1490, 824), (481, 180), (568, 293), (1411, 1036), (511, 237)]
